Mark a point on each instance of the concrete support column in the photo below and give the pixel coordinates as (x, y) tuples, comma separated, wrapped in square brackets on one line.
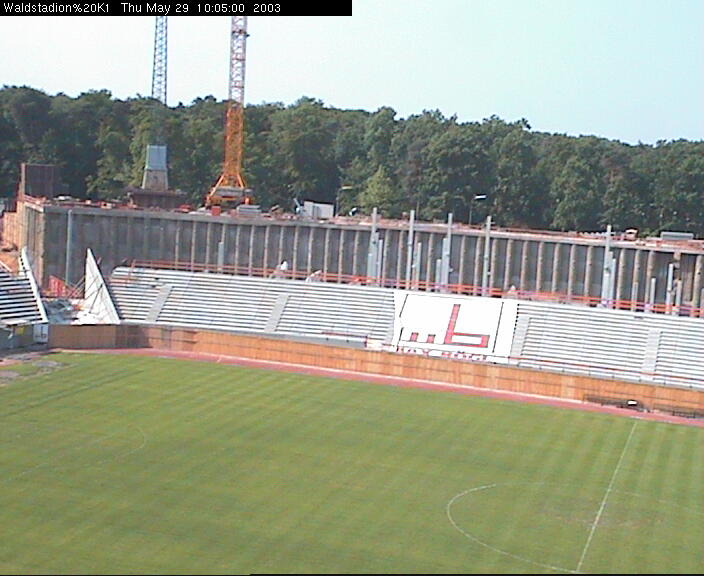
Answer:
[(309, 259), (238, 234), (341, 256), (385, 256), (399, 258), (177, 243), (222, 247), (265, 256), (508, 264), (409, 248), (486, 266), (417, 259), (146, 228), (429, 276), (637, 268), (494, 256), (208, 234), (650, 265), (589, 272), (524, 266), (69, 246), (355, 253), (570, 270), (650, 277), (326, 251), (193, 243), (460, 273), (697, 282), (621, 275), (280, 254), (556, 267), (476, 278), (539, 271), (651, 293), (294, 263), (162, 242), (130, 237)]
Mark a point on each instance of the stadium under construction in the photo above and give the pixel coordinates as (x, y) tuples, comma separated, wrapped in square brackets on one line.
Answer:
[(600, 316), (616, 270)]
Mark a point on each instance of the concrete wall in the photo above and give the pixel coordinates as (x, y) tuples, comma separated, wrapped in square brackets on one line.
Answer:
[(570, 265)]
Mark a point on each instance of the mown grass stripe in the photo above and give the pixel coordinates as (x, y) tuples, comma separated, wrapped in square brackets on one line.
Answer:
[(246, 470)]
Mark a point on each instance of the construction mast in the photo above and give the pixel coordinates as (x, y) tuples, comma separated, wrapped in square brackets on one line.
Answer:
[(155, 176), (160, 54), (230, 187)]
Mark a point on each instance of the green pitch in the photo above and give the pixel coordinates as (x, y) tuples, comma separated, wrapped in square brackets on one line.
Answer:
[(119, 465)]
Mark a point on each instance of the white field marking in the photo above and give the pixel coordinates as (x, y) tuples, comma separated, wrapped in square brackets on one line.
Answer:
[(606, 496), (489, 546), (662, 503)]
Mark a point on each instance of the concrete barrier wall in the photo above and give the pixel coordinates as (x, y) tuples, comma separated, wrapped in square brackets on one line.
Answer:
[(487, 376), (73, 336)]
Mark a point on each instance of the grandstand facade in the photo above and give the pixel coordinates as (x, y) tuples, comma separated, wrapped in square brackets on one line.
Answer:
[(590, 341), (23, 318), (628, 272)]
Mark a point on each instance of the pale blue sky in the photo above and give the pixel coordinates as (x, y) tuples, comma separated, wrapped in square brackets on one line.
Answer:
[(628, 70)]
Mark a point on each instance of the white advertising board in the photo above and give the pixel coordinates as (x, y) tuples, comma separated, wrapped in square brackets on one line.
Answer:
[(447, 326)]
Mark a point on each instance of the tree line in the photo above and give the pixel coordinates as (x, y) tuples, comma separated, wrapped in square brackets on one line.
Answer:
[(426, 162)]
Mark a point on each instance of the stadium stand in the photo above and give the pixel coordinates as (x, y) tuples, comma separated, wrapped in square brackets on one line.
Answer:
[(592, 341), (313, 310), (23, 318), (608, 343), (20, 303)]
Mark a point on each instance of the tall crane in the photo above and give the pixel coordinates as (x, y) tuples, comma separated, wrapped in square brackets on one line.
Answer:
[(155, 176), (230, 187), (160, 55)]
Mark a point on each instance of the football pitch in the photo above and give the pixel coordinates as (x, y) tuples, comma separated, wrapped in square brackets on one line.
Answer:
[(140, 465)]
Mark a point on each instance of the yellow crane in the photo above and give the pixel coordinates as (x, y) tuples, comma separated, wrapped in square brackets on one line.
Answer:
[(231, 188)]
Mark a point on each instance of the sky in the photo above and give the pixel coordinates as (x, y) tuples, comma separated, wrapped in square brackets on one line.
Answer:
[(626, 70)]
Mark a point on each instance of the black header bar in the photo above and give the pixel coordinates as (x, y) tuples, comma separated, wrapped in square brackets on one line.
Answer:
[(186, 8)]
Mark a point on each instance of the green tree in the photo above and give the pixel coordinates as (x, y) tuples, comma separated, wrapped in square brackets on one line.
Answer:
[(408, 154), (303, 146), (263, 173), (516, 192), (458, 169), (679, 187), (577, 193), (76, 125), (626, 195), (431, 163), (28, 111), (350, 148), (203, 134), (382, 193), (379, 132), (11, 155)]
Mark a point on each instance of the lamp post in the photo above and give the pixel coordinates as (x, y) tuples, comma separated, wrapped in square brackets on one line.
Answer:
[(476, 197)]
